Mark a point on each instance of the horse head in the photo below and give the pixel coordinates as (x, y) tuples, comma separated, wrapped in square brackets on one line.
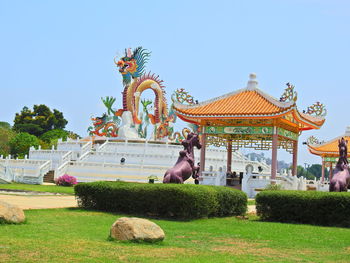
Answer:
[(343, 147), (191, 141), (195, 141)]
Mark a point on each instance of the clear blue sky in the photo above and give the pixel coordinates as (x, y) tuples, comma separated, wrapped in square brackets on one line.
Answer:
[(60, 53)]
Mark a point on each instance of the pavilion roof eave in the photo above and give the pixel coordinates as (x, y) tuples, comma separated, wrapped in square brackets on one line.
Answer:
[(222, 116), (315, 148), (306, 121), (268, 97)]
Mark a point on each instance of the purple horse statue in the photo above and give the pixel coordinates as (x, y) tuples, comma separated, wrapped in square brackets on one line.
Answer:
[(341, 176), (185, 166)]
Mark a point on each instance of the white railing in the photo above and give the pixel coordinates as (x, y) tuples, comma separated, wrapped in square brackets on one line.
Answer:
[(62, 169), (84, 157), (86, 148), (213, 178), (6, 174), (27, 171), (95, 171), (66, 157), (101, 146)]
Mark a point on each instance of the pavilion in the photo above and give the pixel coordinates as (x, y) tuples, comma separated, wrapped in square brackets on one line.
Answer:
[(251, 118), (328, 151)]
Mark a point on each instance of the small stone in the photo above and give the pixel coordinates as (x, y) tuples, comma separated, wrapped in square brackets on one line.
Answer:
[(11, 213), (136, 229)]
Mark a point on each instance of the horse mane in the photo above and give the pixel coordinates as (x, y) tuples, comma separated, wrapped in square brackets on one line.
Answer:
[(343, 154)]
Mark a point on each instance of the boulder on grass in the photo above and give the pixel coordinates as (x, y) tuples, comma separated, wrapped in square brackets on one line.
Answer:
[(11, 213), (136, 229)]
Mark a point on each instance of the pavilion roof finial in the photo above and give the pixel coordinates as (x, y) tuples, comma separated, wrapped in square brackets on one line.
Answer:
[(252, 83)]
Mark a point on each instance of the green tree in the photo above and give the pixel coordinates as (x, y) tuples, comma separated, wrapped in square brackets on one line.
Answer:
[(55, 134), (39, 120), (301, 171), (316, 170), (5, 136), (19, 144), (5, 125)]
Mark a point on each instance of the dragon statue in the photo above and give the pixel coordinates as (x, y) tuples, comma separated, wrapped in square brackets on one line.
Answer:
[(107, 125), (135, 81)]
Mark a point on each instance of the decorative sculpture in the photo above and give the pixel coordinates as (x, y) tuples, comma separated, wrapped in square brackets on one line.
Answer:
[(317, 109), (104, 126), (341, 175), (135, 81), (185, 166), (289, 94)]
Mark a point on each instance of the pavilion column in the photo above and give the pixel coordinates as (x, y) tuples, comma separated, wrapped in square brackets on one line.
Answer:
[(202, 160), (229, 155), (274, 154), (295, 158), (323, 166), (331, 171)]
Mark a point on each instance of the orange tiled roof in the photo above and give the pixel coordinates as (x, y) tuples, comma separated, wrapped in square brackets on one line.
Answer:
[(327, 148), (314, 119), (243, 102)]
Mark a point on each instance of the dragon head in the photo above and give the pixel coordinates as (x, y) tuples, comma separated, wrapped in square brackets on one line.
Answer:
[(132, 65), (98, 121)]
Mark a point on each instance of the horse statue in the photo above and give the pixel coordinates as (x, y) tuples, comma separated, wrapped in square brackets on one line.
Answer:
[(185, 165), (341, 175)]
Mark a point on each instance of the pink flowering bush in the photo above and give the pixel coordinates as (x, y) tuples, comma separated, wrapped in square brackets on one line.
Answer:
[(66, 180)]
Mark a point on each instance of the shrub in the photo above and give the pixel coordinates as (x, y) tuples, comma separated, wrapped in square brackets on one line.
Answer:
[(308, 207), (162, 200), (231, 201), (66, 180), (273, 187)]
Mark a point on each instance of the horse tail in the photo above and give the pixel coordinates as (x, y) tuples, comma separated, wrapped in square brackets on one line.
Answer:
[(334, 186), (167, 178)]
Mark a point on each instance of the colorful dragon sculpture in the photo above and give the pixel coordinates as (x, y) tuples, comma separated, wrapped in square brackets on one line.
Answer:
[(135, 81)]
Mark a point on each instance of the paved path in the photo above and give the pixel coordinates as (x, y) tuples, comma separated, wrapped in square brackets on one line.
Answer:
[(251, 209), (39, 202)]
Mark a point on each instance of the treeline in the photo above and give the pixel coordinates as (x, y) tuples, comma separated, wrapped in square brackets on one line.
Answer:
[(39, 126)]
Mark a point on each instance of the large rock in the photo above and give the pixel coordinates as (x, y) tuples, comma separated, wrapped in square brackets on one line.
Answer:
[(11, 213), (137, 229)]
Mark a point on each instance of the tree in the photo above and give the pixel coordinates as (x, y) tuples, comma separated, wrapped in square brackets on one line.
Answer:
[(5, 136), (20, 144), (53, 135), (5, 125), (316, 170), (39, 120)]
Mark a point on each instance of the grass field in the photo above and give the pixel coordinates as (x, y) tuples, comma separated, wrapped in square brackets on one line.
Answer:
[(74, 235), (39, 188)]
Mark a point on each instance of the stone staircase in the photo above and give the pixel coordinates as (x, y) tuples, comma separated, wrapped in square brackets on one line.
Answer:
[(49, 177)]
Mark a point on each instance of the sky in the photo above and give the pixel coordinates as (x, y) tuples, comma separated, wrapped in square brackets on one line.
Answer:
[(60, 53)]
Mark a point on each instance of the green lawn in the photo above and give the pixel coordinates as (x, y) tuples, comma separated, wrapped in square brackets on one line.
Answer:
[(39, 188), (74, 235), (251, 202)]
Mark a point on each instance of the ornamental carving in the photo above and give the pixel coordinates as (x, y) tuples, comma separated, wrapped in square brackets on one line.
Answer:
[(289, 94), (313, 140), (183, 97), (317, 109)]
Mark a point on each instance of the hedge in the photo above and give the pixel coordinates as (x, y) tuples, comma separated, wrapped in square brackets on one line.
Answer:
[(183, 201), (307, 207)]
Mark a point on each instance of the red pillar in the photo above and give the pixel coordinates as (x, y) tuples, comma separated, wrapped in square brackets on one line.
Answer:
[(295, 158), (229, 155), (322, 178), (331, 171), (274, 154), (202, 161)]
